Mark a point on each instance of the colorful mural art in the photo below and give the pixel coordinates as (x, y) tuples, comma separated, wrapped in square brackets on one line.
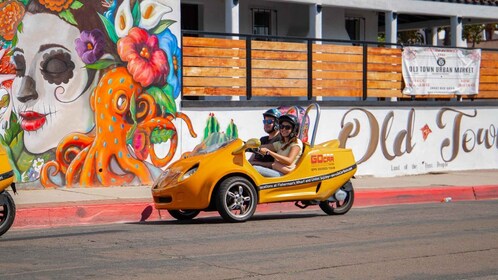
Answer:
[(88, 90)]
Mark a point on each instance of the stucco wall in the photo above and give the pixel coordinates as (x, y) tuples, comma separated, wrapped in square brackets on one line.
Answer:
[(386, 141)]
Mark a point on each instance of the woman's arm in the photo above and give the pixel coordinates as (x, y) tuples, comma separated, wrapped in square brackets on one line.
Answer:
[(285, 160), (266, 146)]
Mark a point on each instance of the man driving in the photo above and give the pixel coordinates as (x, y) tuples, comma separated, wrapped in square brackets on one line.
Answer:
[(270, 125)]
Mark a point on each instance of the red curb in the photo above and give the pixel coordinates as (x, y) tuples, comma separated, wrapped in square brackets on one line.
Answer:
[(47, 216), (380, 197), (486, 192), (120, 212)]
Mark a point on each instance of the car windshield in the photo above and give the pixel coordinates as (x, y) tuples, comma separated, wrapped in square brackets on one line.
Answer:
[(213, 142)]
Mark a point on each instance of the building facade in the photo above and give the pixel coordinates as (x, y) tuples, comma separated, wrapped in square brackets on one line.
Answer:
[(340, 19)]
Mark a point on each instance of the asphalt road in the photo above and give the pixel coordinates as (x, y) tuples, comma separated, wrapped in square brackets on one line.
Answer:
[(456, 240)]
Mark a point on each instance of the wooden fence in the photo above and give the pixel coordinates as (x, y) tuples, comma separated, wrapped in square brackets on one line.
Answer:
[(244, 67)]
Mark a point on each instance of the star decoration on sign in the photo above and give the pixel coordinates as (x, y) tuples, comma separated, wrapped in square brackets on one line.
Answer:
[(426, 130)]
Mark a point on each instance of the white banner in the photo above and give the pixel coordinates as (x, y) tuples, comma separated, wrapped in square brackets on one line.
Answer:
[(429, 71)]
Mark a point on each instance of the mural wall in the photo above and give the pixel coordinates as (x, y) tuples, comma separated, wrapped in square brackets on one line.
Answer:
[(88, 90)]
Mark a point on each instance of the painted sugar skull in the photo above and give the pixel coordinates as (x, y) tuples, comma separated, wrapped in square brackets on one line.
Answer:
[(51, 91), (52, 87)]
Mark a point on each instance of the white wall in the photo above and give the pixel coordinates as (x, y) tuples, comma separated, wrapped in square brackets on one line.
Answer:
[(213, 14), (371, 23), (394, 136), (334, 20), (293, 18)]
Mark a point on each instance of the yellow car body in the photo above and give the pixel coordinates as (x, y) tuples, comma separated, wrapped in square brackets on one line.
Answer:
[(6, 173), (7, 205), (192, 183)]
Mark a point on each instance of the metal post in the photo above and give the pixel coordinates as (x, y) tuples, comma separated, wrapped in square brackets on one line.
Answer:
[(310, 70), (181, 65), (248, 68), (365, 71)]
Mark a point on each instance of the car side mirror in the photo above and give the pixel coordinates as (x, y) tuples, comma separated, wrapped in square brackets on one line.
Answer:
[(252, 143)]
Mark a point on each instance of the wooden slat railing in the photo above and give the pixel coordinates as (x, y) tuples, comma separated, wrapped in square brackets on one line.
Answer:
[(337, 70), (279, 69), (384, 77), (219, 67), (214, 67), (488, 75)]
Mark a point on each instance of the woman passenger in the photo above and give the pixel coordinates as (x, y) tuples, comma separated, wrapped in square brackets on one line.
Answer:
[(286, 152)]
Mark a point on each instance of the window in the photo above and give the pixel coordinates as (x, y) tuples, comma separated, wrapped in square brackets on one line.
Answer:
[(190, 17), (354, 28), (264, 22)]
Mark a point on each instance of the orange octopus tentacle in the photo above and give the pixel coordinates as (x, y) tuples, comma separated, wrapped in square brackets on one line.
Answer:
[(157, 123), (71, 145), (74, 168), (137, 167), (44, 176), (105, 175), (164, 124), (87, 174), (161, 162), (186, 119), (151, 113)]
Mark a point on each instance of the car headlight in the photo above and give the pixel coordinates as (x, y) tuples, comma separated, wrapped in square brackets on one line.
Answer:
[(189, 173), (161, 180), (161, 177)]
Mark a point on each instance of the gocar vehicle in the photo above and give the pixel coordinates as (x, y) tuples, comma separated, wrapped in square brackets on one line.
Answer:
[(218, 177)]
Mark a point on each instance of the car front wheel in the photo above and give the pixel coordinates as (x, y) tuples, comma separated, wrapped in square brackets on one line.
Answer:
[(236, 199)]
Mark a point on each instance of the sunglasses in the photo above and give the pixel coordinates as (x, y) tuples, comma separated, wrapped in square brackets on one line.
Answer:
[(268, 121), (286, 127)]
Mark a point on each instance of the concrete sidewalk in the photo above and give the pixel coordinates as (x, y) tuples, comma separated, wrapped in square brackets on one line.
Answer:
[(80, 206)]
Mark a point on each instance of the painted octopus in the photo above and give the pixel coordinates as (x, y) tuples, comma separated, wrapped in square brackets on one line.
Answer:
[(105, 159)]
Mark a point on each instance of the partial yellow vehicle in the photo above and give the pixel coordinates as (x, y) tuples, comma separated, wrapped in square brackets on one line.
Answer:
[(7, 205), (219, 178)]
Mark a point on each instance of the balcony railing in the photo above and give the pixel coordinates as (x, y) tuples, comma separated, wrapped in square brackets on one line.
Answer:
[(221, 64)]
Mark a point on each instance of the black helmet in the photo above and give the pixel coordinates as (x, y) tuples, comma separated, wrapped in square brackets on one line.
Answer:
[(290, 119), (272, 113)]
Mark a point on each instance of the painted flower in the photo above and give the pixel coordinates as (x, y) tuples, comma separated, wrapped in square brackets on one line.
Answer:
[(30, 175), (169, 43), (90, 46), (140, 144), (151, 12), (7, 75), (11, 14), (147, 63), (56, 5), (38, 164), (124, 19), (7, 69), (111, 6), (5, 108)]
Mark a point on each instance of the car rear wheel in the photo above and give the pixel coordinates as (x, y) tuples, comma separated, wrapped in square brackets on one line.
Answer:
[(336, 206), (236, 199), (7, 212), (184, 215)]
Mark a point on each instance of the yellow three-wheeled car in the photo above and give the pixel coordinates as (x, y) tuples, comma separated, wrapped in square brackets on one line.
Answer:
[(219, 177)]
